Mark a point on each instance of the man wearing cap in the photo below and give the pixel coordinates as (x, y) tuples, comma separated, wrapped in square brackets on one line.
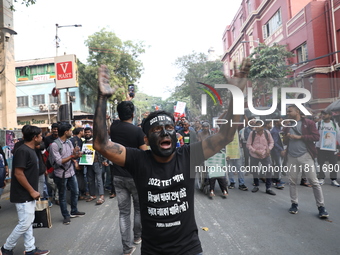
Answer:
[(327, 148), (164, 175)]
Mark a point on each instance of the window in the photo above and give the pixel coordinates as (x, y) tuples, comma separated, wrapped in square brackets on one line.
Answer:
[(22, 101), (302, 53), (53, 99), (272, 25), (241, 20), (38, 99), (22, 71)]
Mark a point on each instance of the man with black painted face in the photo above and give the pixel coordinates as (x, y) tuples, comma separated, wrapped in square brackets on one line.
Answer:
[(164, 175)]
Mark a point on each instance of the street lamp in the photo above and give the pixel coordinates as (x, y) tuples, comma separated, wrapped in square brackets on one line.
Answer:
[(57, 38)]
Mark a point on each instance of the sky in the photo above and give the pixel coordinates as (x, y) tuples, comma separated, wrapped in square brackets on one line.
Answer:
[(170, 29)]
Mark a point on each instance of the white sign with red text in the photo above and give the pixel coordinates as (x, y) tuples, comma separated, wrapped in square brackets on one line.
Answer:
[(66, 71)]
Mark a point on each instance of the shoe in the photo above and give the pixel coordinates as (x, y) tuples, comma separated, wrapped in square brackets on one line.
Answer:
[(255, 189), (294, 209), (132, 251), (6, 252), (57, 202), (335, 183), (243, 187), (321, 181), (67, 221), (231, 186), (225, 194), (77, 214), (211, 195), (270, 192), (305, 183), (279, 185), (322, 212), (37, 251), (113, 195), (137, 241)]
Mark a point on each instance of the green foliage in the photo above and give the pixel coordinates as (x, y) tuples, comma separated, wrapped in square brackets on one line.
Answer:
[(269, 68), (195, 68), (121, 58), (25, 2)]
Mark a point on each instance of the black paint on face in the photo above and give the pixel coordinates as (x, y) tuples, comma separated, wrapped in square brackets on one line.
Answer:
[(162, 138)]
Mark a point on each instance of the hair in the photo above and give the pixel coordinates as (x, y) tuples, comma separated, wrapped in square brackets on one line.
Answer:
[(88, 128), (125, 110), (30, 132), (154, 114), (55, 125), (62, 128), (77, 130), (295, 107)]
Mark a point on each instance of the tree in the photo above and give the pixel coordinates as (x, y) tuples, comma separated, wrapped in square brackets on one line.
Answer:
[(25, 2), (269, 68), (195, 68), (121, 58)]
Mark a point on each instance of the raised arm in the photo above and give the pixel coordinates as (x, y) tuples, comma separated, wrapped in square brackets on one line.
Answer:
[(110, 150), (215, 143)]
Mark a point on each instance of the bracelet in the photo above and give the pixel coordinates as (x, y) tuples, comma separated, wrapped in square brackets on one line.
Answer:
[(72, 156)]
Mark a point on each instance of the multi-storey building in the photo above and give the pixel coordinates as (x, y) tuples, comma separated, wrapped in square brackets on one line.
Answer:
[(36, 104), (309, 28)]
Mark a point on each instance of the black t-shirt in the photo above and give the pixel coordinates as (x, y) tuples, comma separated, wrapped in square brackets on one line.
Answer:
[(48, 140), (188, 137), (26, 158), (127, 135), (166, 198)]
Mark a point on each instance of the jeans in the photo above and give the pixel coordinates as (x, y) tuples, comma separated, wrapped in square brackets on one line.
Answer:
[(26, 212), (254, 162), (306, 164), (332, 158), (62, 185), (236, 163), (94, 174), (125, 189)]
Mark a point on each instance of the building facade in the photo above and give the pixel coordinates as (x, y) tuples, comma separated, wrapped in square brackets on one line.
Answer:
[(310, 29), (37, 104)]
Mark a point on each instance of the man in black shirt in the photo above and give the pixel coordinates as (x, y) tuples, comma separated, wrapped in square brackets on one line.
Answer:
[(122, 131), (163, 174), (24, 192)]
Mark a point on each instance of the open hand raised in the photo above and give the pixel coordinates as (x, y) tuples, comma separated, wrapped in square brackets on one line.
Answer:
[(104, 82)]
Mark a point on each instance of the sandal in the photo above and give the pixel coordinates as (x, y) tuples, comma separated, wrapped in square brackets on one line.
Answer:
[(91, 198), (100, 201)]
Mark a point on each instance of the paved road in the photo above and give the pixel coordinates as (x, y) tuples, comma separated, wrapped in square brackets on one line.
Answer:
[(245, 223)]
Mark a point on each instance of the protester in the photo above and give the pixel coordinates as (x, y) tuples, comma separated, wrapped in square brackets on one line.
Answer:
[(63, 155), (259, 143), (24, 192), (123, 132), (169, 225), (300, 154), (327, 150), (3, 171), (94, 173)]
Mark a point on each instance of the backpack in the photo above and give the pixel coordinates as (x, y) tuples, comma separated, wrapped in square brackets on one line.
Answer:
[(48, 157), (254, 134)]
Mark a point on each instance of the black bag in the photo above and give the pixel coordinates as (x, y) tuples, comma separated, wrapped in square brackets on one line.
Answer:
[(42, 215)]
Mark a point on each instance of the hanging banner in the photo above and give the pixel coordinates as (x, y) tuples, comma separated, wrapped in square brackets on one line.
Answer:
[(66, 71)]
